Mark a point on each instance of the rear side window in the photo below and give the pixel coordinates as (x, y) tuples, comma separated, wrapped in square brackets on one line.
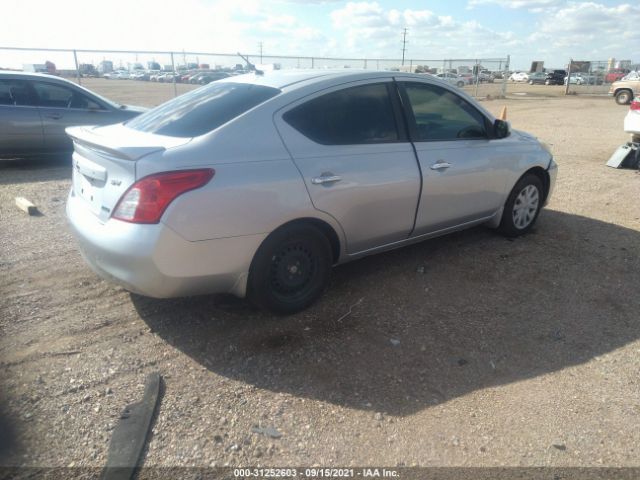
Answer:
[(354, 115), (15, 92), (202, 110)]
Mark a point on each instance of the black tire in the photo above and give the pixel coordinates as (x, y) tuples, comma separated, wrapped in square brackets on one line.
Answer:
[(290, 269), (530, 82), (508, 226), (623, 97)]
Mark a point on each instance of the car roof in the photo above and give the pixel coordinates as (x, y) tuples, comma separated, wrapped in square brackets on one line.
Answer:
[(12, 74), (34, 76), (312, 80), (282, 79)]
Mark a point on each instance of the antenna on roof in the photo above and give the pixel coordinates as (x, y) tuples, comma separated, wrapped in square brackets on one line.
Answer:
[(250, 66)]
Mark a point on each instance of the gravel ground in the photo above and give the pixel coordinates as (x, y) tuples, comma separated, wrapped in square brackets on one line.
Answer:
[(467, 350)]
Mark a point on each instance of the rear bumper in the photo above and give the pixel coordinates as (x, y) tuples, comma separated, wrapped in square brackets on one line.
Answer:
[(632, 123), (153, 260)]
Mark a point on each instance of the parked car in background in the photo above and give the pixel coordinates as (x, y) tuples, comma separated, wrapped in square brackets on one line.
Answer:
[(452, 79), (575, 79), (519, 77), (624, 90), (555, 77), (616, 74), (167, 77), (537, 78), (35, 109), (184, 77), (632, 120), (340, 165), (579, 78), (209, 77), (117, 75)]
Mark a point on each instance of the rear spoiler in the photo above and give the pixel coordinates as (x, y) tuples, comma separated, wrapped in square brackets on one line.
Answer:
[(132, 147)]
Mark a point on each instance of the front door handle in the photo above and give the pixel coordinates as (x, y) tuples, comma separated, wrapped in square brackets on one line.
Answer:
[(325, 179), (440, 165), (55, 116)]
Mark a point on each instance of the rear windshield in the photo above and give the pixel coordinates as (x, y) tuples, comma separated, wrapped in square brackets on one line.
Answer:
[(202, 110)]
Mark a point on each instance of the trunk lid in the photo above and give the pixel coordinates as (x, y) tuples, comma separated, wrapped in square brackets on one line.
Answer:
[(104, 162)]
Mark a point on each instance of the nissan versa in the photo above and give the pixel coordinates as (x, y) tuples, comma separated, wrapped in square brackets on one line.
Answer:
[(258, 184)]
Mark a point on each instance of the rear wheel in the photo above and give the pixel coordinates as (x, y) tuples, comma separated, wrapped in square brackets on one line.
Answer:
[(522, 207), (623, 97), (290, 269)]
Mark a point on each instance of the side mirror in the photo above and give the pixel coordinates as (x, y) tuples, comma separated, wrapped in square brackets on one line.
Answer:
[(501, 129)]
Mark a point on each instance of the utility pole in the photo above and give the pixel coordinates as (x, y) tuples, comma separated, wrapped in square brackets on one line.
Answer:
[(404, 43), (260, 46)]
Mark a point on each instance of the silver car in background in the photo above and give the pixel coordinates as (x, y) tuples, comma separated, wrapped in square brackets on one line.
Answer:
[(35, 109), (258, 184)]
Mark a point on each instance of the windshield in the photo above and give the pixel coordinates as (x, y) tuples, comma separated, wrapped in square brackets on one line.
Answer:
[(202, 110)]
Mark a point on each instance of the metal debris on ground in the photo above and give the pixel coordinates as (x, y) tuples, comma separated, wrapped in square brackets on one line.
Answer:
[(130, 434), (26, 206)]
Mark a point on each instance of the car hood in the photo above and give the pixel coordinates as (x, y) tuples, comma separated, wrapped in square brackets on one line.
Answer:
[(524, 136)]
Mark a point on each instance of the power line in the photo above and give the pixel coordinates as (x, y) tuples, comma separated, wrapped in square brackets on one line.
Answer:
[(404, 43)]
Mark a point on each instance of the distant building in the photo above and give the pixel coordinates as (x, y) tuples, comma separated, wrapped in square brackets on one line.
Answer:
[(105, 66), (34, 67)]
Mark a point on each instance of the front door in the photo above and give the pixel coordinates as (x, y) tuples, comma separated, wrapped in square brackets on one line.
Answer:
[(463, 170), (356, 160)]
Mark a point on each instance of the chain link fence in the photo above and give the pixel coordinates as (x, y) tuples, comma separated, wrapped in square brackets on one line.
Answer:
[(596, 76), (480, 77)]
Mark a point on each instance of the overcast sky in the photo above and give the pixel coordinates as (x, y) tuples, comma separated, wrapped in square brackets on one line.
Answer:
[(548, 30)]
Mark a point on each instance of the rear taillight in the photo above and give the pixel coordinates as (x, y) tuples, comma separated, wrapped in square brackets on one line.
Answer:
[(635, 105), (148, 198)]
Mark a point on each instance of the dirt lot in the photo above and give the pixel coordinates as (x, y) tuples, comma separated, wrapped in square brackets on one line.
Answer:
[(468, 350)]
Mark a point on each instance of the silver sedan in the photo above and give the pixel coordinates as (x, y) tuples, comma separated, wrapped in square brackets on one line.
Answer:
[(35, 109), (258, 184)]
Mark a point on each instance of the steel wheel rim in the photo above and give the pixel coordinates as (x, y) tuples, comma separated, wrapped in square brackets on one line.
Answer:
[(525, 207), (292, 270)]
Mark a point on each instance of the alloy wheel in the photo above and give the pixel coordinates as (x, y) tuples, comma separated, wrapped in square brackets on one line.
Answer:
[(525, 207)]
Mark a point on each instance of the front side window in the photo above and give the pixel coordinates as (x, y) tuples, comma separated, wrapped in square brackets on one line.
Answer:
[(15, 92), (351, 116), (442, 115), (203, 110)]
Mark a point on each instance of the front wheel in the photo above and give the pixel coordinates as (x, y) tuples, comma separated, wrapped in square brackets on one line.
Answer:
[(290, 269), (623, 97), (522, 207)]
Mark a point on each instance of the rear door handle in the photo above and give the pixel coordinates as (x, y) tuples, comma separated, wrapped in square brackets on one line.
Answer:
[(325, 179), (440, 165), (55, 116)]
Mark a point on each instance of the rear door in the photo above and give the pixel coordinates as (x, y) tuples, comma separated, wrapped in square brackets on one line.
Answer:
[(351, 148), (20, 123), (464, 170), (61, 107)]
